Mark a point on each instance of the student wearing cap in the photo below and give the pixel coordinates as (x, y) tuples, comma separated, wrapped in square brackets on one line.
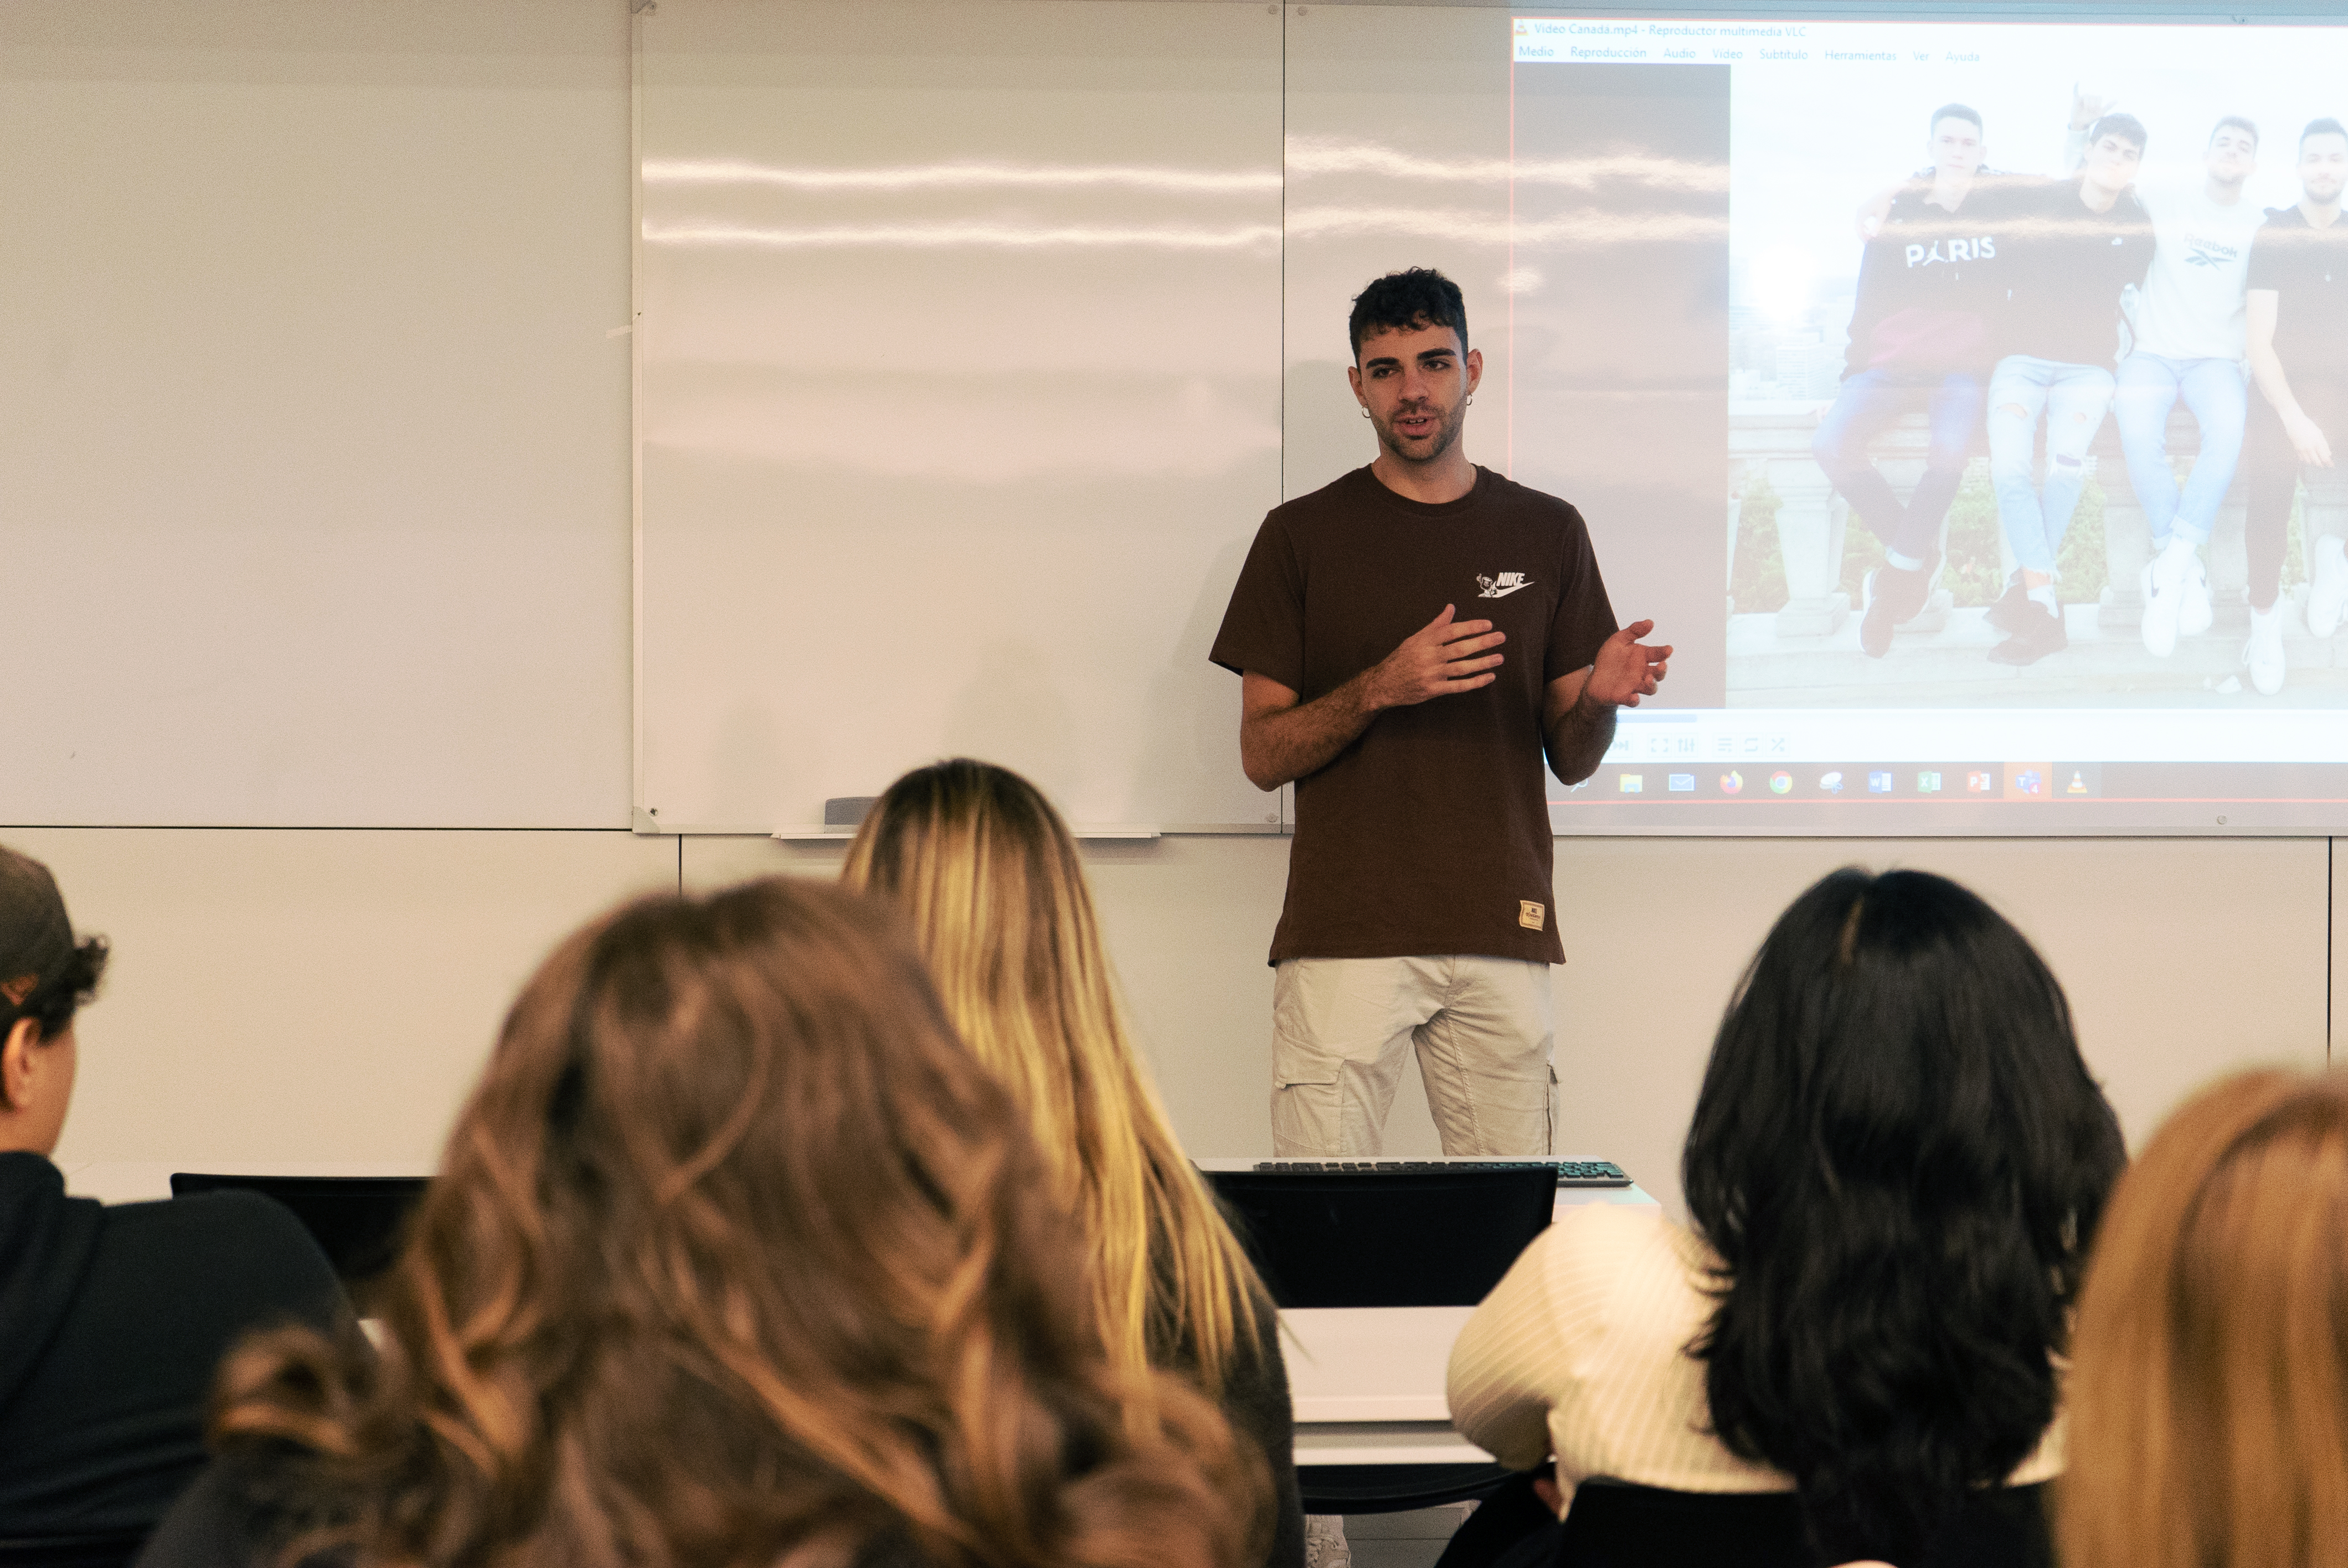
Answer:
[(112, 1319)]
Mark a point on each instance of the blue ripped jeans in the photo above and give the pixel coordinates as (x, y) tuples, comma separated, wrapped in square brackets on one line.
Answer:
[(2073, 397), (2219, 395)]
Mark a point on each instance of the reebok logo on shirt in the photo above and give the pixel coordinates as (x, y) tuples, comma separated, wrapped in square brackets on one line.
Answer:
[(2209, 252), (1501, 587)]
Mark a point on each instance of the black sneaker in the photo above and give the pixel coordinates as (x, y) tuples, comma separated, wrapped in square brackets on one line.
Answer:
[(1894, 595), (2034, 640), (2007, 613)]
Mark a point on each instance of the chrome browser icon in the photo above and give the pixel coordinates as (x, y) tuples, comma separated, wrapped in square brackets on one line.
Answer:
[(1780, 782)]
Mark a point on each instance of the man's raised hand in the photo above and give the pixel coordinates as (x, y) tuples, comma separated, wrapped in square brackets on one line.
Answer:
[(2086, 109), (1438, 660), (1626, 669)]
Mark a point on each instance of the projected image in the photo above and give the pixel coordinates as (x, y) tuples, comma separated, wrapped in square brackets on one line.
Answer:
[(2036, 360), (2033, 340)]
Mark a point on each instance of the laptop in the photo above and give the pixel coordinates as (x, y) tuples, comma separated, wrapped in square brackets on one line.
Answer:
[(1440, 1237)]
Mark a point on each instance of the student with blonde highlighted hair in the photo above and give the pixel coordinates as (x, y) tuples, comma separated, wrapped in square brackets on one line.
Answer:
[(2208, 1392), (990, 877), (736, 1258)]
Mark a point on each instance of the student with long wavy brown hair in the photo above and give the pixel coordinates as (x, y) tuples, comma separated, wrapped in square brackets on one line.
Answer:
[(2209, 1382), (736, 1258), (990, 877)]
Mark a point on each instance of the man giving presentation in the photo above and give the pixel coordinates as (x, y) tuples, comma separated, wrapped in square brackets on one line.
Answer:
[(1411, 639)]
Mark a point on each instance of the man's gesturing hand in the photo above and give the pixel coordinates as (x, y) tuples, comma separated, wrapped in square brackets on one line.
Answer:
[(1438, 660), (1626, 669)]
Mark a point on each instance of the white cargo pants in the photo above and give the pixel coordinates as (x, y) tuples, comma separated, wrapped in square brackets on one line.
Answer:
[(1483, 1027)]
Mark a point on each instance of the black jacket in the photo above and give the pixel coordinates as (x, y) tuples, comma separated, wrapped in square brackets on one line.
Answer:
[(112, 1323)]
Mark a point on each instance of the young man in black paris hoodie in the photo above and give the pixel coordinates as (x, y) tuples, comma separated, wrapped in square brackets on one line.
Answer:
[(1929, 286)]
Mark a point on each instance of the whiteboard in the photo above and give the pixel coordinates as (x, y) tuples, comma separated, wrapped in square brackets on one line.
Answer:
[(314, 413), (959, 356)]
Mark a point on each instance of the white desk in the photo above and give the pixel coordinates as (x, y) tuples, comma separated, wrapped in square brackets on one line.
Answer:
[(1367, 1381)]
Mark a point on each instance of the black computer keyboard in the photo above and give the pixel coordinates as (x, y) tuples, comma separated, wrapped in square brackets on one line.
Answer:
[(1570, 1173)]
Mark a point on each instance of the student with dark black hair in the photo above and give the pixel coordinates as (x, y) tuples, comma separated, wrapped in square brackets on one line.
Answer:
[(1419, 886), (112, 1320), (1897, 1165)]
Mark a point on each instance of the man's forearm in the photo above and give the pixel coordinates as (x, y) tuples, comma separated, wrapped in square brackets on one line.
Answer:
[(2266, 369), (1282, 747), (1579, 739)]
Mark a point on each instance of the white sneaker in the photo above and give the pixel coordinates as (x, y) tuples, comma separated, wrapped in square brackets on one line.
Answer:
[(2164, 592), (2263, 652), (2329, 593), (2194, 615), (1324, 1542)]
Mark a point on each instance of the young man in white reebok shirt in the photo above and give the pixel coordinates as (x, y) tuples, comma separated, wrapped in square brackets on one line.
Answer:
[(2189, 332)]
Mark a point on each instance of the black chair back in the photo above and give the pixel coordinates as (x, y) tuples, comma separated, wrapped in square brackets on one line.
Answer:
[(1385, 1238), (1614, 1525), (359, 1220), (103, 1549)]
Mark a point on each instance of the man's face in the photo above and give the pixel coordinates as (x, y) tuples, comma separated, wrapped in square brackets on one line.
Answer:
[(2323, 168), (1955, 146), (1416, 385), (2233, 153), (40, 1083), (2112, 161)]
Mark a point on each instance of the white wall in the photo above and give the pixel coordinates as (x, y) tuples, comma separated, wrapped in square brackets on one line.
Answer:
[(281, 995), (2182, 958), (298, 992)]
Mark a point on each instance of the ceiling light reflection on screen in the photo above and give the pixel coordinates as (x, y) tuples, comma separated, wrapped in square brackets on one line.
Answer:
[(1318, 155), (1302, 155), (1585, 228), (963, 236), (957, 176)]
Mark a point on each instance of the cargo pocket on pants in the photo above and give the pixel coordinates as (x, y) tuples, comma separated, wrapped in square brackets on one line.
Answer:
[(1304, 1115)]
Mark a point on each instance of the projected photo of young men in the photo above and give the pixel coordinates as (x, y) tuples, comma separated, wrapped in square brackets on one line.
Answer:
[(2047, 334)]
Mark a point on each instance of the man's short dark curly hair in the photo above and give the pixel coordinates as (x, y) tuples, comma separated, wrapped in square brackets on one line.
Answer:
[(54, 1004), (1405, 301)]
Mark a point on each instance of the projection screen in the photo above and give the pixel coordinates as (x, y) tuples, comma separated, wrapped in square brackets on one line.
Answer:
[(1950, 312)]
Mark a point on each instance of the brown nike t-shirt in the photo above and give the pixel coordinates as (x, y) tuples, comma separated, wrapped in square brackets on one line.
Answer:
[(1429, 834)]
